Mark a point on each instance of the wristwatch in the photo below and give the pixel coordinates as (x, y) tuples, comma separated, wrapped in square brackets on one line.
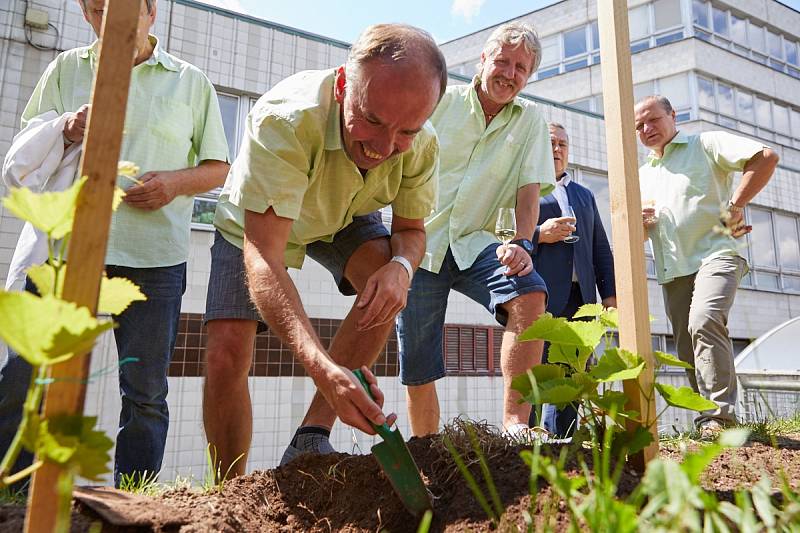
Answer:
[(406, 264), (526, 245), (733, 208)]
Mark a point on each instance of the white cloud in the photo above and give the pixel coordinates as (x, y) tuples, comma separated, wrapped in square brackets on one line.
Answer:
[(468, 9)]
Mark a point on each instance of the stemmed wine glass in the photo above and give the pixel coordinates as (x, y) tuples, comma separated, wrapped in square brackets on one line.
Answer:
[(569, 212), (506, 227)]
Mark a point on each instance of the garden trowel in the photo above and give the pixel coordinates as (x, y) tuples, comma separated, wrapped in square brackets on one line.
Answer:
[(398, 465)]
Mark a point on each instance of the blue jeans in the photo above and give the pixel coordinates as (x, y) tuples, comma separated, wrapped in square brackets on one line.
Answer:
[(147, 331)]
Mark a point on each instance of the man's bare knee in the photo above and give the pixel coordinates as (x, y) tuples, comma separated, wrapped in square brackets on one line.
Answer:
[(367, 259), (229, 349), (526, 308)]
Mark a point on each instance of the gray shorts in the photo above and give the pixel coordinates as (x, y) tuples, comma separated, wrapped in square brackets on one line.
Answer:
[(228, 297)]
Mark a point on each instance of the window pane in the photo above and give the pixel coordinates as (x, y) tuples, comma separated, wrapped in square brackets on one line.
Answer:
[(725, 99), (767, 281), (203, 211), (775, 47), (639, 20), (756, 38), (700, 14), (720, 21), (705, 92), (788, 243), (575, 42), (598, 184), (595, 36), (795, 124), (640, 90), (763, 251), (585, 104), (550, 53), (790, 49), (744, 104), (780, 115), (763, 113), (667, 14), (738, 29), (791, 283), (676, 88), (229, 106)]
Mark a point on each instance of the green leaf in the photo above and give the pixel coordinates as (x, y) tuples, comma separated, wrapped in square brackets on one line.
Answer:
[(610, 318), (565, 354), (542, 373), (45, 330), (695, 463), (560, 392), (611, 399), (586, 382), (50, 212), (632, 442), (116, 294), (684, 397), (119, 194), (589, 310), (663, 358), (560, 331), (616, 365), (71, 441)]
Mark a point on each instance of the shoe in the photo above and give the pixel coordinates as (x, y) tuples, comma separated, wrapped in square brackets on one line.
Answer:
[(710, 430)]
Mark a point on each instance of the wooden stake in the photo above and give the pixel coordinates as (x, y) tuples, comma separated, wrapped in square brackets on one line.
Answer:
[(87, 246), (626, 208)]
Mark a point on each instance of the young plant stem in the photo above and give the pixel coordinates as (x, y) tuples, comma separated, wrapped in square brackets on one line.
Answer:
[(473, 485)]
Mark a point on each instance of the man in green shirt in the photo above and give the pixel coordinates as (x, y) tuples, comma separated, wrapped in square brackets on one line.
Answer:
[(323, 151), (174, 132), (495, 154), (693, 220)]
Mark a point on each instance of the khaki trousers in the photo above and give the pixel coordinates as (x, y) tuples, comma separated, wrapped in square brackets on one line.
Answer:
[(697, 306)]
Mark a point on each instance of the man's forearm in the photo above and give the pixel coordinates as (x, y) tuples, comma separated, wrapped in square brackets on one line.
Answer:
[(276, 298), (410, 243), (202, 178), (755, 176)]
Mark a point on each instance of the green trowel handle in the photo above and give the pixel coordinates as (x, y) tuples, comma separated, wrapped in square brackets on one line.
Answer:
[(383, 430)]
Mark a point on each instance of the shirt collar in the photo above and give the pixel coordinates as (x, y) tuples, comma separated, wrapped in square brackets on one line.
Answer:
[(680, 138), (333, 127), (159, 56), (475, 103), (565, 180)]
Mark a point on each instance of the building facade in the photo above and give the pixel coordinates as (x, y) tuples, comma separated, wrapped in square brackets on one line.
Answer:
[(244, 57)]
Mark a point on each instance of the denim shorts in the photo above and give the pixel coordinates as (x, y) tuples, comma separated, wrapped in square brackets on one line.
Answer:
[(420, 325), (228, 297)]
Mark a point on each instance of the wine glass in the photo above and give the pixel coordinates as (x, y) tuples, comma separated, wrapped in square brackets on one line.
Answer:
[(569, 212), (652, 219), (506, 227)]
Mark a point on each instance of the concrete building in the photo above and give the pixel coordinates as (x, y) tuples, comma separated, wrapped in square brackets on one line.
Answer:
[(244, 57)]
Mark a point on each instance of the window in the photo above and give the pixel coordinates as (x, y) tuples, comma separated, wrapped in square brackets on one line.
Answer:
[(203, 212), (790, 52), (763, 251), (720, 21), (550, 51), (795, 120), (774, 44), (575, 42), (739, 30), (763, 113), (700, 14), (780, 115), (725, 99), (639, 20), (755, 36), (640, 90), (667, 14), (676, 88), (744, 106), (584, 104), (598, 184), (705, 92), (595, 33), (788, 239)]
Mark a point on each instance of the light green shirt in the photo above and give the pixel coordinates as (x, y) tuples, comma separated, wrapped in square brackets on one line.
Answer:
[(292, 160), (691, 185), (481, 170), (172, 122)]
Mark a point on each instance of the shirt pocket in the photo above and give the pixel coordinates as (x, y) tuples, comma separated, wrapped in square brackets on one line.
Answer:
[(171, 122)]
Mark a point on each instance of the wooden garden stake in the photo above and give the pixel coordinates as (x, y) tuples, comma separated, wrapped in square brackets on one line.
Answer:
[(626, 208), (87, 246)]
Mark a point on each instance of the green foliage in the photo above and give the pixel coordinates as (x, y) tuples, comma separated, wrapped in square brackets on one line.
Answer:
[(684, 397), (50, 212)]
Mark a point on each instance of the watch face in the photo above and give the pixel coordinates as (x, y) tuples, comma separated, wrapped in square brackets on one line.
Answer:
[(526, 245)]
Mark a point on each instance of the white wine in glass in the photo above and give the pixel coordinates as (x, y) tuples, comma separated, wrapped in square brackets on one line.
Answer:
[(569, 212), (506, 226)]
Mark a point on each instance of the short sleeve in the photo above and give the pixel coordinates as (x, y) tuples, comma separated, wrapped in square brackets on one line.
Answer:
[(730, 152), (417, 195), (208, 133), (537, 164), (46, 95)]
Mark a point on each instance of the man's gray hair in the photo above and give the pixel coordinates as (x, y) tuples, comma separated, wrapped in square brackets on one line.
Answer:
[(514, 34), (148, 3), (397, 43), (557, 126), (663, 101)]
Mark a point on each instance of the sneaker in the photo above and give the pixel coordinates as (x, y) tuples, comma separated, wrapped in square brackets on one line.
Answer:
[(710, 430)]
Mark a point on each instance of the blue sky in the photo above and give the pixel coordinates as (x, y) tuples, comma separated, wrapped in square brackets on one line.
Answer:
[(344, 19)]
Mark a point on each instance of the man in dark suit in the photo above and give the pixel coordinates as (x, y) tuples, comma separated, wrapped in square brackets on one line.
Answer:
[(571, 270)]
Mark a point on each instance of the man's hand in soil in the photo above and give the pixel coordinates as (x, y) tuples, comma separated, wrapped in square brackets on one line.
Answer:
[(156, 190), (76, 125), (349, 400), (383, 296)]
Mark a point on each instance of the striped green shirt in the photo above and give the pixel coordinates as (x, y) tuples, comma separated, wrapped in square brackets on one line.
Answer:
[(691, 185), (172, 122), (481, 170), (292, 160)]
